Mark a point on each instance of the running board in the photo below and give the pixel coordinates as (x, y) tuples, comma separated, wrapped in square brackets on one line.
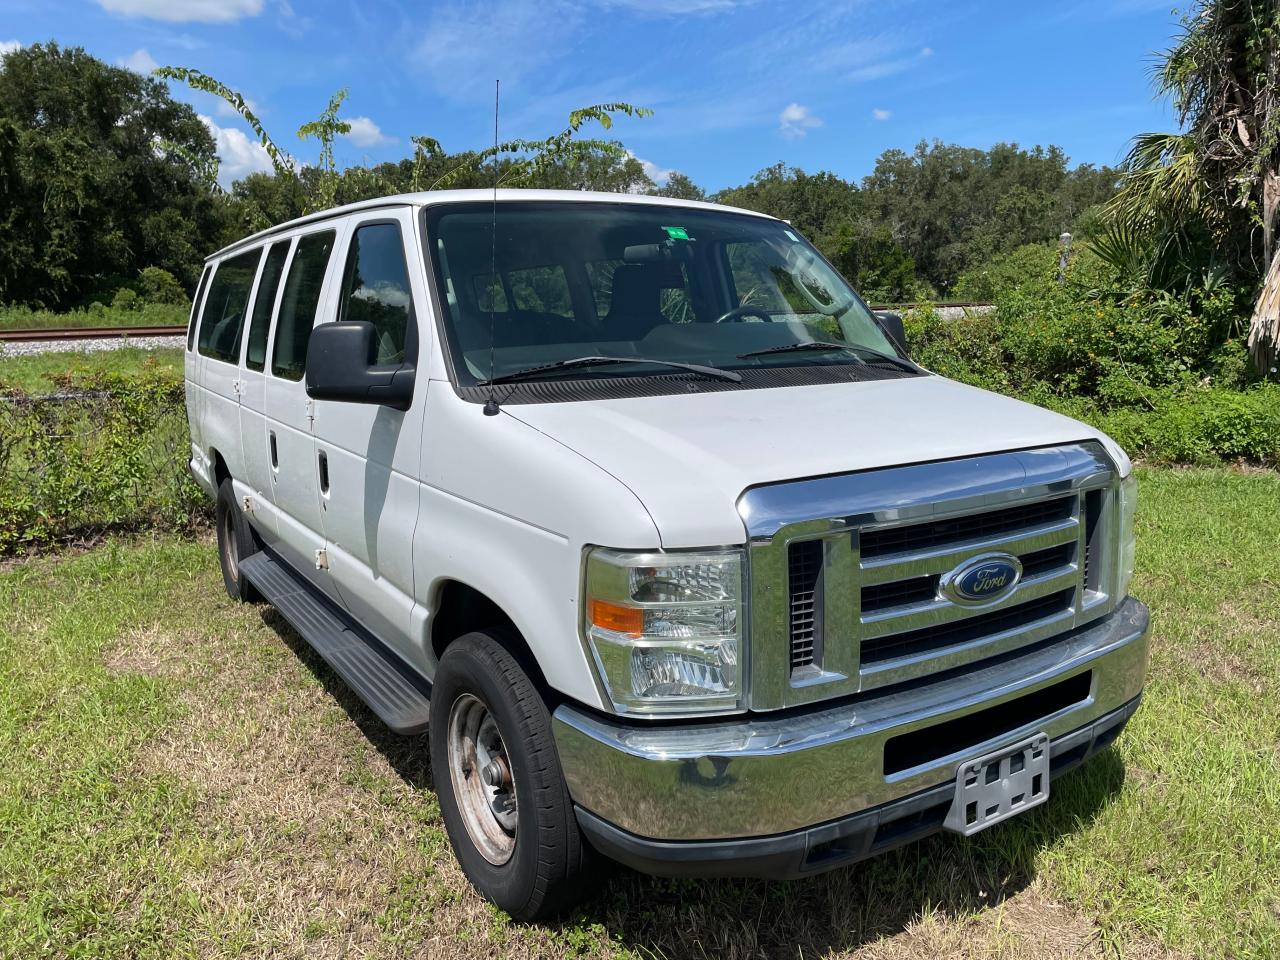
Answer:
[(392, 690)]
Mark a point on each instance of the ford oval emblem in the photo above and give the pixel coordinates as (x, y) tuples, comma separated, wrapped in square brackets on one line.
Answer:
[(982, 580)]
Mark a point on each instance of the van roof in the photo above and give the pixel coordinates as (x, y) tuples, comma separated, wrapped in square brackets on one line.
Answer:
[(433, 197)]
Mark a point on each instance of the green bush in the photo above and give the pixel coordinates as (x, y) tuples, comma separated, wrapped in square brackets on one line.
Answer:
[(1086, 337), (109, 452), (1033, 265), (157, 285), (1201, 427), (126, 298)]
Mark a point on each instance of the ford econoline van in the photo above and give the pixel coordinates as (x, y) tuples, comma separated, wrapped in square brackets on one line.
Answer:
[(654, 526)]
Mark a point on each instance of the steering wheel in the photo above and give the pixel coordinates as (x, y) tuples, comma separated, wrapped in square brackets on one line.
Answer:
[(735, 315)]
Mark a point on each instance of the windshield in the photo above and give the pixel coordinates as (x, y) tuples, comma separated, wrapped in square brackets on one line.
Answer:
[(576, 280)]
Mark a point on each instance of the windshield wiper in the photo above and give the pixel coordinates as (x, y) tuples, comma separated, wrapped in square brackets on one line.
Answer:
[(714, 373), (855, 349)]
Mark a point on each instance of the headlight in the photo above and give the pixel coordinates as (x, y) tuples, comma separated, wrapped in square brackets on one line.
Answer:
[(1128, 505), (666, 629)]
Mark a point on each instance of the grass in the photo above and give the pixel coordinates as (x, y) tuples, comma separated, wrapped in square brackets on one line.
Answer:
[(184, 778), (42, 372), (151, 315)]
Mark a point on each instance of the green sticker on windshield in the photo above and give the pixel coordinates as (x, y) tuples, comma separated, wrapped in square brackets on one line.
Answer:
[(677, 233)]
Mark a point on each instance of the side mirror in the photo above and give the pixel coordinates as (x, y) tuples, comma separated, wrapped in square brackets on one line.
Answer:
[(341, 366), (891, 324)]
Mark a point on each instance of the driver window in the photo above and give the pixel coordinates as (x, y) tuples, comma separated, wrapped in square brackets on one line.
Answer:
[(375, 288)]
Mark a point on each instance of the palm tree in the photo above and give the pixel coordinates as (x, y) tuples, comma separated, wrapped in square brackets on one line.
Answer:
[(1208, 196)]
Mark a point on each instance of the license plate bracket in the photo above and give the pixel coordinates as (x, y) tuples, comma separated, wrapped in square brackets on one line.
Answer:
[(999, 785)]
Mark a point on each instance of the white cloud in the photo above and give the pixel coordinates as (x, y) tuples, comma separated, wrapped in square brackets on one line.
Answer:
[(796, 121), (657, 174), (366, 133), (139, 62), (881, 114), (176, 11), (8, 46), (926, 51), (239, 155), (384, 291)]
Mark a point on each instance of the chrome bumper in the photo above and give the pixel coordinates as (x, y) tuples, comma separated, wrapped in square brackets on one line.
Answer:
[(771, 774)]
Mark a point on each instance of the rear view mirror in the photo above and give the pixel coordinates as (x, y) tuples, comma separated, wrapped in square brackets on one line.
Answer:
[(341, 366), (669, 251), (891, 324)]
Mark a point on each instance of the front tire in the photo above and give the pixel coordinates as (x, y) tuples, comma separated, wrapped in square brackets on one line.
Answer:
[(235, 543), (497, 774)]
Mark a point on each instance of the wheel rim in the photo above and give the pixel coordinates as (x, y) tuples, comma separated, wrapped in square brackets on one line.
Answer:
[(482, 779), (230, 549)]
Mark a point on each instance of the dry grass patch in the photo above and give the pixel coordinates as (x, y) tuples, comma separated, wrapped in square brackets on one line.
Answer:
[(327, 839)]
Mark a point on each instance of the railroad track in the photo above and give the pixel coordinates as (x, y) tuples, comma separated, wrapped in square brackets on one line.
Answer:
[(124, 333), (90, 333)]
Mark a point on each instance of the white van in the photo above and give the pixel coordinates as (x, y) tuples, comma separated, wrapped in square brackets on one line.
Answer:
[(639, 510)]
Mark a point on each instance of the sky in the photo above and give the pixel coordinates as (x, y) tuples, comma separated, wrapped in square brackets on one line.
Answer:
[(735, 85)]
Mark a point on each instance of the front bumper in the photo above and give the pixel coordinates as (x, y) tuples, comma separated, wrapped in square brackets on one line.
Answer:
[(652, 794)]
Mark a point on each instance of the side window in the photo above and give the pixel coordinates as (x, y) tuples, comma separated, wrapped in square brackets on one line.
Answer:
[(255, 356), (195, 309), (541, 290), (375, 287), (298, 304), (222, 320), (489, 293)]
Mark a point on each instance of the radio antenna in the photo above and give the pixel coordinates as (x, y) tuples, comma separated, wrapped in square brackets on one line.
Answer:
[(491, 405)]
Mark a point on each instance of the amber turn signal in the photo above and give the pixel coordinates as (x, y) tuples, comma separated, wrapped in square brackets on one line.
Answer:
[(617, 618)]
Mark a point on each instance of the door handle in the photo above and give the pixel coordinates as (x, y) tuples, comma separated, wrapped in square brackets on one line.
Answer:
[(322, 461), (275, 454)]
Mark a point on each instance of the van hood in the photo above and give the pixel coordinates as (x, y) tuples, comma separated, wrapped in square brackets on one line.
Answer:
[(689, 457)]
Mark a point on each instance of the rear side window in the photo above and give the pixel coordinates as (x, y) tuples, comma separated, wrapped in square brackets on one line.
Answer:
[(255, 356), (298, 304), (222, 320), (375, 288), (195, 309)]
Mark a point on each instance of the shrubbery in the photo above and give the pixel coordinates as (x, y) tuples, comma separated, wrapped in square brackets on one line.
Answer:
[(157, 285), (95, 315), (110, 452), (1167, 376), (1203, 426)]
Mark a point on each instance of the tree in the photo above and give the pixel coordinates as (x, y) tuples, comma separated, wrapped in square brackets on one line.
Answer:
[(679, 187), (952, 207), (89, 199), (818, 205), (1207, 197)]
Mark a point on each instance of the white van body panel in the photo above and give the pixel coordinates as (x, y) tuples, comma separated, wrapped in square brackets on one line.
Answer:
[(290, 415), (688, 457), (507, 510), (374, 456)]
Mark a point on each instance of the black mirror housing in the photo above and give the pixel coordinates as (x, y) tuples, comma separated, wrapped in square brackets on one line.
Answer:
[(340, 366), (891, 324)]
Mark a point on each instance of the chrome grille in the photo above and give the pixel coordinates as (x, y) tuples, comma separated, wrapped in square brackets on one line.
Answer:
[(851, 601), (1043, 534), (959, 530), (803, 570)]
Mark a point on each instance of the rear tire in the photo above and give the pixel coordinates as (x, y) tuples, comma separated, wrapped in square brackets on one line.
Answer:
[(497, 774), (235, 543)]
